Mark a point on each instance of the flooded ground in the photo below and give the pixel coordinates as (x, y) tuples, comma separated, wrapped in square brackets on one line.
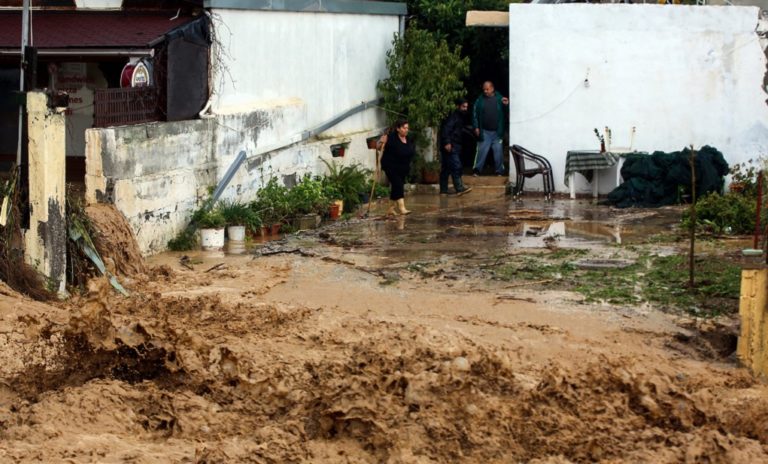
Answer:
[(459, 333)]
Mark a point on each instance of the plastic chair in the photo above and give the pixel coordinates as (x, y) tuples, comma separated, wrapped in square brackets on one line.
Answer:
[(609, 142), (541, 166)]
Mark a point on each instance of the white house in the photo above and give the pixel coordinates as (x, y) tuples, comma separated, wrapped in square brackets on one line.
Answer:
[(682, 75), (280, 75)]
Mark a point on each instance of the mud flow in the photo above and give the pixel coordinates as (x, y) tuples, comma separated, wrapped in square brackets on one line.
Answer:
[(378, 341)]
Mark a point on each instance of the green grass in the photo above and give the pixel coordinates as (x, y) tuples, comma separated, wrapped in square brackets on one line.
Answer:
[(662, 281)]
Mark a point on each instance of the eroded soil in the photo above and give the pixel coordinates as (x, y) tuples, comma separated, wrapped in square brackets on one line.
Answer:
[(376, 341)]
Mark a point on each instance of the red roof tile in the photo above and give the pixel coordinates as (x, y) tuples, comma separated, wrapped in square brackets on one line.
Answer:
[(58, 29)]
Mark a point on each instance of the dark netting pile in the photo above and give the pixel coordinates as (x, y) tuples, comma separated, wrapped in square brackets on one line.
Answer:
[(662, 179)]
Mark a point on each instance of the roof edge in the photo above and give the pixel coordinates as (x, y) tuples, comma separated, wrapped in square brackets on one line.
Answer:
[(313, 6)]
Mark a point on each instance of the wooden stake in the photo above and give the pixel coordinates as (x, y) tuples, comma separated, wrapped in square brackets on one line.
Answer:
[(691, 264)]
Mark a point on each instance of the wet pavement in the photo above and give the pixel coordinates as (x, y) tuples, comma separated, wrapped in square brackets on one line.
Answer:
[(487, 224)]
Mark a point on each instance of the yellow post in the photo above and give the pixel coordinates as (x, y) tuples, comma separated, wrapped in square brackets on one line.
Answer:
[(753, 310)]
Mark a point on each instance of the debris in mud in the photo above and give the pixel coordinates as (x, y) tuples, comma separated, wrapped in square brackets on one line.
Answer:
[(707, 339), (263, 363)]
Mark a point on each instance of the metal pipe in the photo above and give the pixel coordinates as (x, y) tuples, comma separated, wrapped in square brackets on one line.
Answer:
[(24, 43)]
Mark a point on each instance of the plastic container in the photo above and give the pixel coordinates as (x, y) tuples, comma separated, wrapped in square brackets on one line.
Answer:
[(212, 239), (236, 233)]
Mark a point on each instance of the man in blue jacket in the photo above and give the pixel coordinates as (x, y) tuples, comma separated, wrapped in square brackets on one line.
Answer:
[(488, 121), (451, 139)]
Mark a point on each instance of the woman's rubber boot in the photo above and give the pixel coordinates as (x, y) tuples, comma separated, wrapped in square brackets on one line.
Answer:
[(401, 206), (392, 210)]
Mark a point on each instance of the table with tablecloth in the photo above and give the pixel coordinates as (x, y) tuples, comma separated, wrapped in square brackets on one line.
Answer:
[(588, 162)]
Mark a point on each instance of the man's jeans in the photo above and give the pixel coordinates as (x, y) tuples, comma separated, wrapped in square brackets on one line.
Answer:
[(450, 166), (490, 139)]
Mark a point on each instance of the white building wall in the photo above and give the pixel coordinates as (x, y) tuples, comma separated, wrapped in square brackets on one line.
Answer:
[(330, 62), (681, 74)]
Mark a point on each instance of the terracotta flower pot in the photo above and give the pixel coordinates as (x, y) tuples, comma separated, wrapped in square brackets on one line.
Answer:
[(335, 211), (430, 177), (372, 141), (338, 150)]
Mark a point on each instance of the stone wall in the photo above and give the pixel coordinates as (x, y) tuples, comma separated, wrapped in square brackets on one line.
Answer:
[(158, 174)]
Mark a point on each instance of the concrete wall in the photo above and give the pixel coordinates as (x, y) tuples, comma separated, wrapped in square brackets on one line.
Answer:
[(158, 174), (681, 74), (45, 240), (329, 62)]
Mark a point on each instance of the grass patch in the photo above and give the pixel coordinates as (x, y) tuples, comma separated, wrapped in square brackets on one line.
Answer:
[(662, 281)]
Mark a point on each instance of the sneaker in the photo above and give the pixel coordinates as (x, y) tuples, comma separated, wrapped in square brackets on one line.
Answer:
[(499, 174), (445, 192), (476, 173), (463, 192)]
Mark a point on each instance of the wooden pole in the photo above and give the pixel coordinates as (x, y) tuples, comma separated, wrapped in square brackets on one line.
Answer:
[(691, 254), (759, 204)]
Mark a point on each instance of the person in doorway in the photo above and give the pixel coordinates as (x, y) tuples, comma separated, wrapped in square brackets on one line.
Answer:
[(399, 151), (488, 121), (451, 137)]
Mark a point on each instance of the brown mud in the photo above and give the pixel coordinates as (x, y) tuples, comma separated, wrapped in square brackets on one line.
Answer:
[(322, 356)]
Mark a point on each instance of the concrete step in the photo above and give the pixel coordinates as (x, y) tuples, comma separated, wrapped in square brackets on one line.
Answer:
[(497, 188), (485, 181)]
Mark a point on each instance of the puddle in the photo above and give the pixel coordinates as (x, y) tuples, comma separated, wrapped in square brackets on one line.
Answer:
[(453, 227)]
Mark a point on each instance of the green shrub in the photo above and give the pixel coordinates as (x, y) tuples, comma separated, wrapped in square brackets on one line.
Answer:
[(240, 214), (380, 191), (209, 219), (746, 174), (186, 240), (717, 214), (272, 203), (349, 183), (307, 197)]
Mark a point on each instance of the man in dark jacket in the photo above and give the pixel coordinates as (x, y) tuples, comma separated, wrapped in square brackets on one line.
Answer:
[(488, 121), (451, 134)]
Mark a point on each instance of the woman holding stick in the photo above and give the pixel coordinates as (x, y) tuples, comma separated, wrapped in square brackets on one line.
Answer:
[(399, 151)]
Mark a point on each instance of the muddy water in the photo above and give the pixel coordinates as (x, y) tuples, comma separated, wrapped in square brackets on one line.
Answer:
[(315, 355), (450, 227)]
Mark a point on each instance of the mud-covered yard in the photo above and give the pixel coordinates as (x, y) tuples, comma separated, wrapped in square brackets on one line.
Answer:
[(475, 330)]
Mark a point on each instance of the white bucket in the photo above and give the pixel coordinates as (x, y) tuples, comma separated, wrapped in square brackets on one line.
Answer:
[(212, 239), (236, 233)]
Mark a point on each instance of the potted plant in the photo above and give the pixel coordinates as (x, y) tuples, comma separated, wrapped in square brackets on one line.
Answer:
[(371, 142), (346, 183), (211, 223), (307, 199), (601, 139), (339, 149), (272, 205), (238, 216), (430, 172)]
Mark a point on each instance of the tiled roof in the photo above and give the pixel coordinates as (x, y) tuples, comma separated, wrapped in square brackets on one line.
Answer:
[(70, 29)]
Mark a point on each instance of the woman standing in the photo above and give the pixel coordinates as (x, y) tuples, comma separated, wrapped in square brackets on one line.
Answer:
[(396, 163)]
